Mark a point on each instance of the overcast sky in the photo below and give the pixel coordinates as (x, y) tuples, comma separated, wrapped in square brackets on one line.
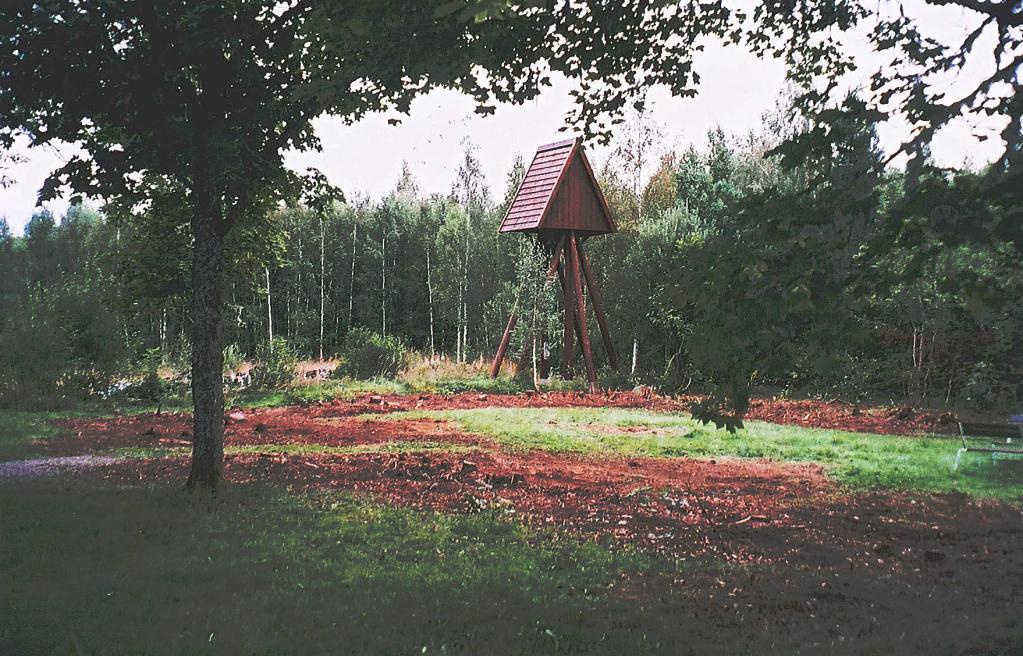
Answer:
[(366, 158)]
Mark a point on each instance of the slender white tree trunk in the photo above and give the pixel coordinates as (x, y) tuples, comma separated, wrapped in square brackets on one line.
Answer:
[(323, 272), (351, 281), (458, 321), (290, 330), (163, 330), (429, 290), (635, 354), (465, 284), (383, 284), (269, 307)]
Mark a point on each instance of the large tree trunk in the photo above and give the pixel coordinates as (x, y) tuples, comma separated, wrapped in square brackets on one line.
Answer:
[(207, 350)]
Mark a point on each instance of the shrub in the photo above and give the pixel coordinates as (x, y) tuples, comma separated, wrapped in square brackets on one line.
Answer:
[(616, 380), (476, 383), (233, 358), (443, 376), (365, 354), (275, 364), (152, 388)]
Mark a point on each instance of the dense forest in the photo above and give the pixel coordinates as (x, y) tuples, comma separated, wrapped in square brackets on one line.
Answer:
[(732, 266)]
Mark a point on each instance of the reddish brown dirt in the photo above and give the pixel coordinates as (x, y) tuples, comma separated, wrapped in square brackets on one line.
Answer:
[(277, 426), (910, 560), (739, 510), (300, 425), (816, 414), (902, 420)]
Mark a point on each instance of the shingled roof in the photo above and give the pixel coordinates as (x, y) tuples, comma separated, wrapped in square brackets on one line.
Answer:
[(559, 192)]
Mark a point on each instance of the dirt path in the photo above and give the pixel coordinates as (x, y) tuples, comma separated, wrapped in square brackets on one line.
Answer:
[(51, 466)]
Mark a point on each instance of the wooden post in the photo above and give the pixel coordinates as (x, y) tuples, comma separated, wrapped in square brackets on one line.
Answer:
[(598, 309), (495, 368), (555, 260), (577, 293), (564, 290)]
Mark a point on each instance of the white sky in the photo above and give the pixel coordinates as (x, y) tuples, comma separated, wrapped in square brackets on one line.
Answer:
[(736, 88)]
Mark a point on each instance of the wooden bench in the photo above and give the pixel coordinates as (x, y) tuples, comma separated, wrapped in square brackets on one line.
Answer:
[(990, 438)]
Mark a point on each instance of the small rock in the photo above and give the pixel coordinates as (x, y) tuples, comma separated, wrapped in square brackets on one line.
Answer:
[(237, 416), (376, 399), (883, 549)]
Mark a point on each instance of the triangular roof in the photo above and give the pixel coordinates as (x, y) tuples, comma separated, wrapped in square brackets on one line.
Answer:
[(559, 192)]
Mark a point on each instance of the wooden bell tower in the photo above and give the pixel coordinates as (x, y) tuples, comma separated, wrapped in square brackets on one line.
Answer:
[(560, 201)]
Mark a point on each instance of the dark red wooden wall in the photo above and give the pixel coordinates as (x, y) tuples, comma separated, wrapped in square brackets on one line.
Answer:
[(577, 205)]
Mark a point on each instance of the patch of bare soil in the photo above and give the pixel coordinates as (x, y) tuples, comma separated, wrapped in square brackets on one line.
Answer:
[(302, 425), (276, 426), (738, 510), (680, 506), (902, 420)]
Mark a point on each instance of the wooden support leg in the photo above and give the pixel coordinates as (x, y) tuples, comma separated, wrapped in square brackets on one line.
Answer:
[(564, 290), (598, 309), (555, 260), (495, 368), (577, 293)]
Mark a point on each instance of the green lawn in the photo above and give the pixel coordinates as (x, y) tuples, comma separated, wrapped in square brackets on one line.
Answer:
[(859, 460)]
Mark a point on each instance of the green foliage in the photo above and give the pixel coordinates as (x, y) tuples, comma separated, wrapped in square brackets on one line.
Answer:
[(23, 431), (475, 383), (366, 354), (615, 380), (152, 388), (59, 335), (233, 358), (275, 365)]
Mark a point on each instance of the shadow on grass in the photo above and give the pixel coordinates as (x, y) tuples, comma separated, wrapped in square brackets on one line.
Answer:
[(89, 567), (97, 569), (21, 431)]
